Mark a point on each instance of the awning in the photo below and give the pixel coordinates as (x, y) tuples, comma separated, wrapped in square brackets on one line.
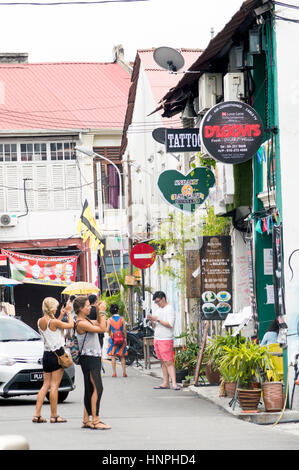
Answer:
[(175, 99)]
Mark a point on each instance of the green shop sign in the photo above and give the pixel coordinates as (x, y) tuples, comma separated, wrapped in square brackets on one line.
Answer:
[(186, 193)]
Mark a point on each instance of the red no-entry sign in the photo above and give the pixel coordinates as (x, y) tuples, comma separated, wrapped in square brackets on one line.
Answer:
[(142, 255)]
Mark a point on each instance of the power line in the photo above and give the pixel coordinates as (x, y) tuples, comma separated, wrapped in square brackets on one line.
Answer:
[(9, 116), (288, 5), (67, 3), (286, 19)]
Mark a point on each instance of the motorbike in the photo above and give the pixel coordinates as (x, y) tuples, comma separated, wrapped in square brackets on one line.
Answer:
[(135, 341)]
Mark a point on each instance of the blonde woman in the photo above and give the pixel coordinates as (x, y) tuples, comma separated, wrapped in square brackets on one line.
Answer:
[(51, 330), (90, 359)]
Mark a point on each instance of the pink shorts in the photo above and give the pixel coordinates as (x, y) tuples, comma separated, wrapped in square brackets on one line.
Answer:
[(164, 349)]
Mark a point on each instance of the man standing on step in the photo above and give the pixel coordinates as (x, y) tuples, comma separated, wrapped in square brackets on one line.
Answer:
[(163, 323)]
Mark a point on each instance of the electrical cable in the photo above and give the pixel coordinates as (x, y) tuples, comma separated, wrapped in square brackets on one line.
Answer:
[(67, 3), (288, 5), (277, 17)]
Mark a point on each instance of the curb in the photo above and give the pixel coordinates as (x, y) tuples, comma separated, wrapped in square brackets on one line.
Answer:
[(211, 394)]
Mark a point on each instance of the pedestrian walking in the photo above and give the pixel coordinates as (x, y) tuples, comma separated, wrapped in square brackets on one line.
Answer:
[(90, 360), (52, 332), (163, 323), (117, 348)]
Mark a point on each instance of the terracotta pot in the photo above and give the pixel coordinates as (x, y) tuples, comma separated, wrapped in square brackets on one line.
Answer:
[(273, 396), (249, 399), (230, 388), (213, 375)]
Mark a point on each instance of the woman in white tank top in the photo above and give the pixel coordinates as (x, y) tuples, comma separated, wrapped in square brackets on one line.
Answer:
[(51, 330)]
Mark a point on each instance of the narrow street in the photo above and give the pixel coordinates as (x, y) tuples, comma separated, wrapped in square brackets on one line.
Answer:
[(142, 419)]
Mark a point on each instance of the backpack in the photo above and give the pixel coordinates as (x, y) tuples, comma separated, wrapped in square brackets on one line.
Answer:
[(73, 345), (118, 338)]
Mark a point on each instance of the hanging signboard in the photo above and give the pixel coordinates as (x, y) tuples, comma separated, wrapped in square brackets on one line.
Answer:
[(183, 140), (186, 193), (231, 132), (216, 277), (51, 271)]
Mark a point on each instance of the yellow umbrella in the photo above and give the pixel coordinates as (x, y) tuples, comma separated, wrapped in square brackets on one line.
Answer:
[(80, 288)]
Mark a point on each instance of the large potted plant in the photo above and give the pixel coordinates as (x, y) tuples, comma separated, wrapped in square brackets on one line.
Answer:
[(213, 354), (273, 384), (250, 361)]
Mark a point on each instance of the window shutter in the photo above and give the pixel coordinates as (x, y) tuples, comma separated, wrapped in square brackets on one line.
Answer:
[(99, 191), (2, 194), (27, 171), (58, 186), (41, 184), (72, 182), (13, 183)]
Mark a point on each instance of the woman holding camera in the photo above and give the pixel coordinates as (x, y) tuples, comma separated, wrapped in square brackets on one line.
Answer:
[(90, 359), (51, 330)]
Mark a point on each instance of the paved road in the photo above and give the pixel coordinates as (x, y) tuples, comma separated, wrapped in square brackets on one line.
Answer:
[(141, 418)]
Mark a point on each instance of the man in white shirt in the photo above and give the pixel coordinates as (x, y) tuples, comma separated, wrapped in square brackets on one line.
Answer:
[(163, 323)]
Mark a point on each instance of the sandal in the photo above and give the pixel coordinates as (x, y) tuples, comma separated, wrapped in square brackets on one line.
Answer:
[(57, 419), (39, 419), (103, 427), (87, 424)]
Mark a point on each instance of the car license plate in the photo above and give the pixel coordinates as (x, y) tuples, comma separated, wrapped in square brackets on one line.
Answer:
[(36, 376)]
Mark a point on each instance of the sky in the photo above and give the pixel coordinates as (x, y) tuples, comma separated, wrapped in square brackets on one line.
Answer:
[(70, 33)]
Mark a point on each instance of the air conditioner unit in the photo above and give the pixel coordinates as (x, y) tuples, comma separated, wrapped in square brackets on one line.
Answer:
[(209, 87), (233, 86), (8, 220)]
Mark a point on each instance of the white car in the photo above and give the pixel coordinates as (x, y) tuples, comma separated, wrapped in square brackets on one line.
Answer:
[(21, 352)]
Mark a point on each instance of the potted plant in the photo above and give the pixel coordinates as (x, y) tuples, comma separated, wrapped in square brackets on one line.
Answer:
[(229, 379), (185, 357), (273, 385), (180, 365), (250, 361), (213, 354)]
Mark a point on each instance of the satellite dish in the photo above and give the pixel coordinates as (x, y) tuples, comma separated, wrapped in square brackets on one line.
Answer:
[(169, 59), (159, 135)]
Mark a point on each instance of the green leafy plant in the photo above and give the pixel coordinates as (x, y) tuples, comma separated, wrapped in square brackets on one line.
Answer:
[(248, 362), (215, 348), (114, 299), (186, 356)]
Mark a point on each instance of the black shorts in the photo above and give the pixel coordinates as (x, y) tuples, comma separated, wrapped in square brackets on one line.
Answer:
[(50, 360)]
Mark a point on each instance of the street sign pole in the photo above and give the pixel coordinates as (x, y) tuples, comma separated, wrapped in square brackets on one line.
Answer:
[(143, 294)]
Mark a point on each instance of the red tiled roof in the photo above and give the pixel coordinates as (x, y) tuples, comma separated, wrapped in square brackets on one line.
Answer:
[(63, 96)]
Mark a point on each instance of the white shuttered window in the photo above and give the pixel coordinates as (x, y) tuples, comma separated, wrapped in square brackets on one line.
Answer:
[(48, 186)]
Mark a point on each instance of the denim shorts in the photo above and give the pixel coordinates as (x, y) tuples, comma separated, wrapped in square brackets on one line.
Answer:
[(50, 360)]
